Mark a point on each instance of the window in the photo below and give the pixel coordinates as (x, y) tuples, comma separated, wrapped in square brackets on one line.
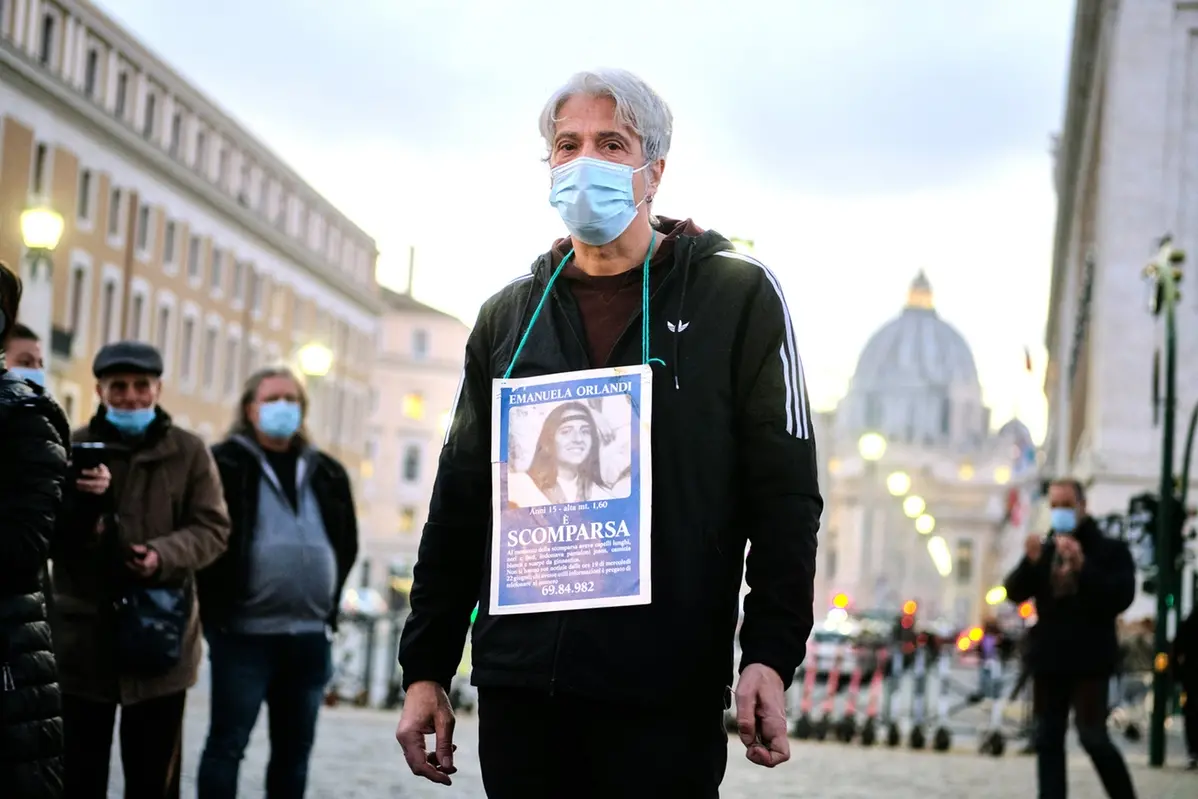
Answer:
[(193, 258), (254, 357), (176, 132), (143, 228), (136, 309), (214, 277), (420, 345), (256, 292), (407, 519), (41, 154), (413, 406), (231, 346), (946, 414), (209, 358), (122, 93), (78, 287), (243, 188), (91, 72), (964, 561), (222, 167), (114, 212), (238, 281), (162, 334), (83, 205), (107, 311), (168, 242), (411, 463), (46, 52), (201, 146), (188, 344), (147, 125)]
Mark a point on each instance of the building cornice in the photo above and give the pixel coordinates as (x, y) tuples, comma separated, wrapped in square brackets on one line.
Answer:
[(155, 67), (16, 69), (1084, 68)]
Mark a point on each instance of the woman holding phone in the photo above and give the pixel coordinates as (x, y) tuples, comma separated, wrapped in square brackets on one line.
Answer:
[(33, 469)]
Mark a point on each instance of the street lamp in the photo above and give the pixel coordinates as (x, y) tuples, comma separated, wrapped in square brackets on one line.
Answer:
[(872, 446), (941, 558), (41, 229), (1165, 273), (898, 483), (914, 506), (925, 524), (315, 359), (996, 595)]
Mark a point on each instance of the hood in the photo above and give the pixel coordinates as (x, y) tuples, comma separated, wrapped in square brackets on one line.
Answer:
[(682, 244)]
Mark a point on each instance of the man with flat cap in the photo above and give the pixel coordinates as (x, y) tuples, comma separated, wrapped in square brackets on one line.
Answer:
[(148, 513)]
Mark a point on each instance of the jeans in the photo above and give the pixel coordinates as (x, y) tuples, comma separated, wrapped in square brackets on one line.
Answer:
[(1054, 696), (534, 746), (151, 742), (289, 673)]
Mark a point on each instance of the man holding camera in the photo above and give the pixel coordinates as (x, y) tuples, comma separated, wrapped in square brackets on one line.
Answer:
[(1081, 581), (125, 622)]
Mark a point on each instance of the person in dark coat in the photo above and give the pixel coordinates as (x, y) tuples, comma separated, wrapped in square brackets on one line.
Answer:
[(1185, 665), (1081, 581), (33, 467)]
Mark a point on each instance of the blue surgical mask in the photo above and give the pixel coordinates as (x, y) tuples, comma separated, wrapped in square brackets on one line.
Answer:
[(1063, 520), (35, 376), (594, 198), (279, 419), (133, 422)]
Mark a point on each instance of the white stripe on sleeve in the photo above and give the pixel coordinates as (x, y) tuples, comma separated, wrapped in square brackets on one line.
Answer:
[(798, 422)]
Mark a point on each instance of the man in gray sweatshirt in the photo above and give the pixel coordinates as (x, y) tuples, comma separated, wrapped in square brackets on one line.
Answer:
[(270, 603)]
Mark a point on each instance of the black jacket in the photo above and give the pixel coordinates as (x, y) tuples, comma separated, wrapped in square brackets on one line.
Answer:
[(1075, 634), (221, 587), (33, 467), (733, 461)]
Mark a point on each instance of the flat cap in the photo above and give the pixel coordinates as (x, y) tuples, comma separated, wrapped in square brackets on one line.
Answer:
[(133, 357)]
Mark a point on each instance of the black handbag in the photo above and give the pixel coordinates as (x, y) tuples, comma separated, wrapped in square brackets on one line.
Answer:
[(151, 623)]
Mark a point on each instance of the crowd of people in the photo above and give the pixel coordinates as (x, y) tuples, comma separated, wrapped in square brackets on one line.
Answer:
[(119, 538)]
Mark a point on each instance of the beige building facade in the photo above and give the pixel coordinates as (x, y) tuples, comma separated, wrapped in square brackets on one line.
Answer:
[(181, 229), (1126, 174), (418, 368)]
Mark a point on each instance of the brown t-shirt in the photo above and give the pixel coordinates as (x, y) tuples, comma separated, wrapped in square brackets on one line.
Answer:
[(608, 303)]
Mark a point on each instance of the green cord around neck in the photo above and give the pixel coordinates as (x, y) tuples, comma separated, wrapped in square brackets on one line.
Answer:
[(645, 359)]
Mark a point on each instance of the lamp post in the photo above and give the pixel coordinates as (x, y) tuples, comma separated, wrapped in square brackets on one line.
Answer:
[(871, 446), (41, 231), (1165, 272), (314, 361)]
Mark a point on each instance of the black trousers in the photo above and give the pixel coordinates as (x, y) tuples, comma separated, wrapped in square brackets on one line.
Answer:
[(533, 746), (151, 746), (1190, 716), (1053, 697)]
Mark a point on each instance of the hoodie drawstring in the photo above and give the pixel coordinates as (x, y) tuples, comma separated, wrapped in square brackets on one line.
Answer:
[(645, 359)]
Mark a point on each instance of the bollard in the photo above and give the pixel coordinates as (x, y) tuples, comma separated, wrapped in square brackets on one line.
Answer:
[(943, 739), (869, 731), (919, 676), (846, 729), (820, 731), (802, 728), (893, 683)]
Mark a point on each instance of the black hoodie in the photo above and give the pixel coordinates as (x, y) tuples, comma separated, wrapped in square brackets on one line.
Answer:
[(733, 462)]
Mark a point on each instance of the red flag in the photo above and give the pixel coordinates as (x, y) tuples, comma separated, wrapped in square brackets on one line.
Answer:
[(1027, 359)]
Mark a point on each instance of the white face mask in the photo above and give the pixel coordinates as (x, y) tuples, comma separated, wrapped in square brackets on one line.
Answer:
[(595, 198)]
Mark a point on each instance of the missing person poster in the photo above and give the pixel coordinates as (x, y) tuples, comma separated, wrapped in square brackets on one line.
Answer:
[(572, 484)]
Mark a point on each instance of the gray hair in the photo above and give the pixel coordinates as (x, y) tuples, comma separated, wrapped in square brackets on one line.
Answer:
[(637, 106)]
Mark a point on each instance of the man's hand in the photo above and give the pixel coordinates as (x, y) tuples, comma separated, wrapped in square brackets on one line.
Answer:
[(1033, 546), (761, 715), (426, 711), (94, 481), (1070, 551), (143, 561)]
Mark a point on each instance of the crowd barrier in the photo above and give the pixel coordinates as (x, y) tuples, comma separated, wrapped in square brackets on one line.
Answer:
[(919, 694)]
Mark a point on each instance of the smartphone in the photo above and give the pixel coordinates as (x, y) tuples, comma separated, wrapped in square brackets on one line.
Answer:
[(88, 455)]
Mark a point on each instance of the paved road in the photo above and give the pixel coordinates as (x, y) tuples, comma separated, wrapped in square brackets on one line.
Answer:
[(357, 758)]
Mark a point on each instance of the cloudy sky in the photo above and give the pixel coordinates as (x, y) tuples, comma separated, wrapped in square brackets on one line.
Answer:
[(855, 141)]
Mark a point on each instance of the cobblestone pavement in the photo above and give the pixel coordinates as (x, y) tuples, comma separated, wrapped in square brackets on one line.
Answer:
[(357, 758)]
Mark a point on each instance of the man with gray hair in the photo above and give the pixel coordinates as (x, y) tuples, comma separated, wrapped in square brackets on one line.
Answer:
[(628, 299)]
